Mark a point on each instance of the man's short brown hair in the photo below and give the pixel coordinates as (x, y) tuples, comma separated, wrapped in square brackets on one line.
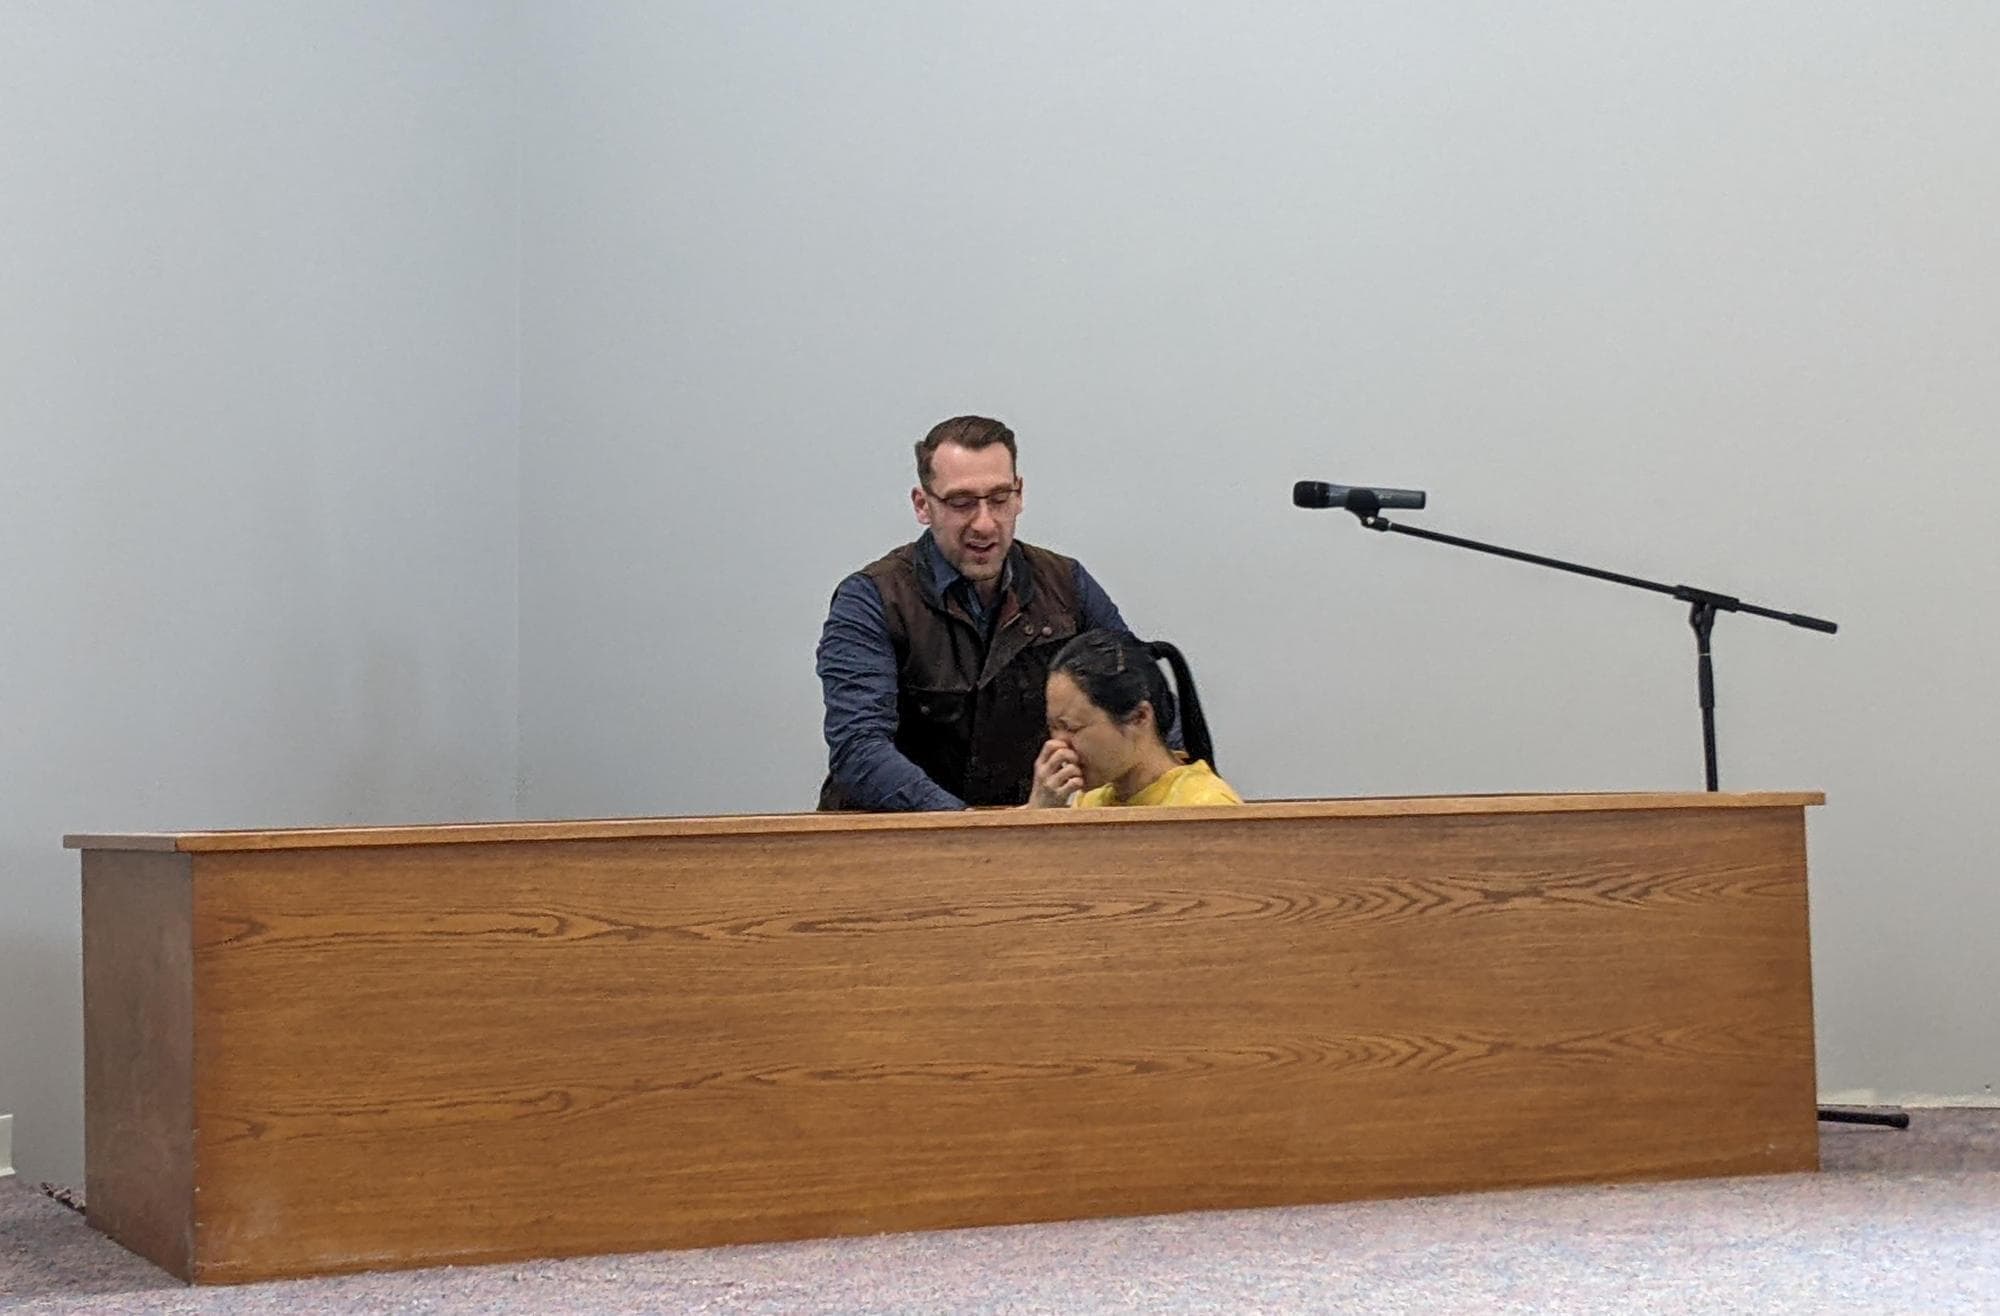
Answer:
[(973, 432)]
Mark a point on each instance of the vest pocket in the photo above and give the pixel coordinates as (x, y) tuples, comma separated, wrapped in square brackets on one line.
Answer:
[(948, 708)]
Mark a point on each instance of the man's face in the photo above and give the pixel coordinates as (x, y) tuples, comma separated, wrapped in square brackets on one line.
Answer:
[(973, 500)]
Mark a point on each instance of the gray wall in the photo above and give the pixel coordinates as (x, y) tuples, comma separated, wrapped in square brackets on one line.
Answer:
[(258, 396), (314, 308), (1704, 292)]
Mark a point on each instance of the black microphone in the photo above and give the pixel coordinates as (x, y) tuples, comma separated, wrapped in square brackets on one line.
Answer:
[(1362, 498)]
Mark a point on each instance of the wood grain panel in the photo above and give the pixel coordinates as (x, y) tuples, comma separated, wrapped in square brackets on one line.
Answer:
[(138, 1080), (412, 1054)]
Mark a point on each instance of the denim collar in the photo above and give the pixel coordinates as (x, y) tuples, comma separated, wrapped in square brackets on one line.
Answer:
[(943, 575)]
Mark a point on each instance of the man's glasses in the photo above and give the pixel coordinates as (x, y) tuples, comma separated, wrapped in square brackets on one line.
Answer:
[(964, 504)]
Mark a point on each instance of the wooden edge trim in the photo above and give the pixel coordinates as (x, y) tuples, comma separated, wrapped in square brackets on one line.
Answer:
[(614, 829)]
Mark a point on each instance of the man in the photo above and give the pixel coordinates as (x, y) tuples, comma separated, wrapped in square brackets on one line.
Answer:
[(934, 658)]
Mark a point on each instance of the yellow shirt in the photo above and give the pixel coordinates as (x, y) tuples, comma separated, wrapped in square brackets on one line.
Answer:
[(1192, 783)]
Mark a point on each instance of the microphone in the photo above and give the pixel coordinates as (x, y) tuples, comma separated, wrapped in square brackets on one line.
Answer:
[(1360, 498)]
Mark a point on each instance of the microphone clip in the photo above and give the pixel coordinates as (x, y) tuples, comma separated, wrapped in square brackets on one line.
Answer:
[(1367, 508)]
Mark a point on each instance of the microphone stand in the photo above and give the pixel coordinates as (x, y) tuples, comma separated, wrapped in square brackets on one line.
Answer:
[(1703, 605)]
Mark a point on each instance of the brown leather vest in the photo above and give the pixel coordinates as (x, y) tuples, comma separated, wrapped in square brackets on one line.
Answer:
[(973, 714)]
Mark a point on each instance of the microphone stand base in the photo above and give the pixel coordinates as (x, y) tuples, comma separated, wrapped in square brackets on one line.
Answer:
[(1888, 1119)]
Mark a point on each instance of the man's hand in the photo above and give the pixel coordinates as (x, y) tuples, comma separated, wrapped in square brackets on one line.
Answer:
[(1058, 776)]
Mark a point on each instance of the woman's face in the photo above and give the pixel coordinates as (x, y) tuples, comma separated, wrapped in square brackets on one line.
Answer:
[(1105, 748)]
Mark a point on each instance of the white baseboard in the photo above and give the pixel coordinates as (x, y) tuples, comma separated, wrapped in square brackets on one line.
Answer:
[(1876, 1097), (6, 1145)]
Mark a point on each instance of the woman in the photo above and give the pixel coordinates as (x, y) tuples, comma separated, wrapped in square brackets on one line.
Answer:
[(1109, 707)]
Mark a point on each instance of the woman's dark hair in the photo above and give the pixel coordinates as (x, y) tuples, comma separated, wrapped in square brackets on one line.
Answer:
[(1117, 673)]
